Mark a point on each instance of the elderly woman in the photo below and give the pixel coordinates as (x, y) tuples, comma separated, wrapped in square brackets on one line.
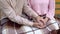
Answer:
[(46, 10)]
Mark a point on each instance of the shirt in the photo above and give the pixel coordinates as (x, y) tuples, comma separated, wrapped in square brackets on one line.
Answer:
[(42, 7)]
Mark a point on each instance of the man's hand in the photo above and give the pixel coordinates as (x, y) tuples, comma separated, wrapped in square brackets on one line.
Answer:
[(38, 25), (40, 21)]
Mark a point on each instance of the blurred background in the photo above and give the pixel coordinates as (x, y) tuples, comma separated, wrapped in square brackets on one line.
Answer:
[(57, 12)]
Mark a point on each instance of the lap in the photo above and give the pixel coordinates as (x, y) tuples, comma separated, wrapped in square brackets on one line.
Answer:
[(9, 28)]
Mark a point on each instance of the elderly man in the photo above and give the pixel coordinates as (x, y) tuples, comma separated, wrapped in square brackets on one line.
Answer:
[(11, 10)]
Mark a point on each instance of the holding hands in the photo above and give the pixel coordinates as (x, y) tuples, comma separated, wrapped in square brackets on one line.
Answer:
[(40, 22)]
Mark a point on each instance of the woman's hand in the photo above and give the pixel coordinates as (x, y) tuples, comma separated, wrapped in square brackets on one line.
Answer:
[(45, 20)]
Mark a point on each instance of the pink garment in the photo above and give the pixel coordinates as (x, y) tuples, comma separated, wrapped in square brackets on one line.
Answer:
[(43, 7)]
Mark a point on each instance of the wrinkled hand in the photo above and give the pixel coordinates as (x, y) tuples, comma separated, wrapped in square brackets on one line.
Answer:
[(38, 25), (41, 21)]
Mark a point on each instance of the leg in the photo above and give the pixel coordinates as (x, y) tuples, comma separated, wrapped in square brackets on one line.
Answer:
[(9, 28), (53, 25)]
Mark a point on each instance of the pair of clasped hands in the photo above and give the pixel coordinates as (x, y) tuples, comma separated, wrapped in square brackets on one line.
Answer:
[(40, 22)]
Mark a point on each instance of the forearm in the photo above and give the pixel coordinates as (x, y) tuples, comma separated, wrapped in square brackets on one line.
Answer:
[(10, 13), (18, 19)]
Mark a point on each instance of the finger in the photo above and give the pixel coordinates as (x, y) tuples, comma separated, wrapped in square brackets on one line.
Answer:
[(39, 27), (42, 22), (42, 26), (45, 21)]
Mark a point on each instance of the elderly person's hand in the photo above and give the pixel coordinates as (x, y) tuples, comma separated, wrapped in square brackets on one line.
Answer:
[(40, 21), (38, 25), (46, 20)]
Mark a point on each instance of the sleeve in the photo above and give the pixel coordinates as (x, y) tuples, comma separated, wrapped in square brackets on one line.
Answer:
[(29, 4), (51, 9), (10, 13), (29, 11)]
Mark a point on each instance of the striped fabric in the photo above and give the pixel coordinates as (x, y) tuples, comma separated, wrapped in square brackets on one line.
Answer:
[(12, 28), (33, 30)]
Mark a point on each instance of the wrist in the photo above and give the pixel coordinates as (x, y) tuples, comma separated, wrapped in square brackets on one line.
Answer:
[(37, 17)]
